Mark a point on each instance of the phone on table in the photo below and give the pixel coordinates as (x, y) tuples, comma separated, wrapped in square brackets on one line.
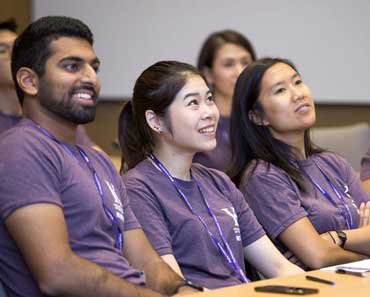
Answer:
[(287, 290)]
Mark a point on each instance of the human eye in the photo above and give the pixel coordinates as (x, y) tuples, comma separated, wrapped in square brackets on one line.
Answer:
[(210, 98), (229, 63), (298, 82), (96, 68), (72, 66), (245, 63), (279, 91), (192, 102)]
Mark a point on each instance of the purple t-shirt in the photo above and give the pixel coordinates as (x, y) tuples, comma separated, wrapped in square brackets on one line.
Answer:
[(7, 121), (220, 157), (173, 229), (277, 201), (36, 169), (365, 166)]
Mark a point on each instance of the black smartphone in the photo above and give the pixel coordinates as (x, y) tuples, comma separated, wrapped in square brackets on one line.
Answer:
[(287, 290)]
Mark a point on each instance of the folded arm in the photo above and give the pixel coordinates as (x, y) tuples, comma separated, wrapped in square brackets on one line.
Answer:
[(315, 252)]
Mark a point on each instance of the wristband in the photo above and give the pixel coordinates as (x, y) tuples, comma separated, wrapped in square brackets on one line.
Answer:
[(342, 237)]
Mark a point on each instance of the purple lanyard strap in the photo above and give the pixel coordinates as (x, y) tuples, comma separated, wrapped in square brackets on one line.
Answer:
[(347, 215), (223, 246), (108, 212)]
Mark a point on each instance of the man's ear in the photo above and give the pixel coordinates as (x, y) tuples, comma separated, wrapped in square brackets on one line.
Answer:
[(153, 121), (257, 118), (28, 81)]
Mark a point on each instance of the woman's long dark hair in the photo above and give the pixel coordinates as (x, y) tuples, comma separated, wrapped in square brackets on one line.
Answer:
[(250, 141), (155, 90)]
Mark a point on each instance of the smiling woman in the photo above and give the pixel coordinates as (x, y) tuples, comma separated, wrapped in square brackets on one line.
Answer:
[(171, 117), (296, 190), (222, 58)]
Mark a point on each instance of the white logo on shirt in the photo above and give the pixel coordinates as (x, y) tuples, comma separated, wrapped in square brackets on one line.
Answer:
[(117, 202), (231, 212)]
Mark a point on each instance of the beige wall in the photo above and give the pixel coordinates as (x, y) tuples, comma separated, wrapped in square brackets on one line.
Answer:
[(104, 130), (18, 9)]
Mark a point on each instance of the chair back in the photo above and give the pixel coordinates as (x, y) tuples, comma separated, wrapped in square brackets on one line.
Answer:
[(352, 141)]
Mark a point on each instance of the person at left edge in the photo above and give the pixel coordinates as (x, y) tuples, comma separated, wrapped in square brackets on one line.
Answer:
[(365, 171), (66, 226), (179, 204), (10, 108)]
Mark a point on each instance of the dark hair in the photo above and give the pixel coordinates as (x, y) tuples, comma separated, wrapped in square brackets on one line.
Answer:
[(31, 48), (216, 40), (9, 25), (155, 90), (250, 141)]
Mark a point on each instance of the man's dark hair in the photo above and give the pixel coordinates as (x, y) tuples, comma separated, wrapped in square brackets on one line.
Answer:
[(31, 48), (9, 25)]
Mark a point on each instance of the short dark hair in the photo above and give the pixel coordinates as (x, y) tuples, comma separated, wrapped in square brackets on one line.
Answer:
[(155, 89), (250, 141), (31, 48), (9, 25), (216, 40)]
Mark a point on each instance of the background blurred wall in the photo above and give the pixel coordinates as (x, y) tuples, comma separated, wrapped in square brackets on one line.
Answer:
[(104, 130)]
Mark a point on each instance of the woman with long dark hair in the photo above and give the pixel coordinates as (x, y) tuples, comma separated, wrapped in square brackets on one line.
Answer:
[(194, 217), (296, 190)]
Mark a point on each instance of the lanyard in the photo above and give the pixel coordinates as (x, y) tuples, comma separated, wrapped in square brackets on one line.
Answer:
[(347, 215), (223, 246), (108, 212)]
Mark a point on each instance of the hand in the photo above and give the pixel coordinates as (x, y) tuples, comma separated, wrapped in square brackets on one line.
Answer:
[(364, 214), (293, 259)]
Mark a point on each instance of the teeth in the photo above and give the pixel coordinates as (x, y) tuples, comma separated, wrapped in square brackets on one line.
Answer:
[(83, 96), (207, 130)]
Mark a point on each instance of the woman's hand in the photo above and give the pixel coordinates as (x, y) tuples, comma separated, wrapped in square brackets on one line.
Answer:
[(364, 214)]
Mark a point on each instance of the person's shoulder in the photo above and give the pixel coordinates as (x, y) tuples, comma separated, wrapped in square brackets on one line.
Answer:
[(259, 167), (141, 174), (218, 177), (331, 159), (21, 137)]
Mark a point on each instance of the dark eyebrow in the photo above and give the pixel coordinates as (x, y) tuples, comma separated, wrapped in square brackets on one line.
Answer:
[(79, 59), (196, 94), (281, 82)]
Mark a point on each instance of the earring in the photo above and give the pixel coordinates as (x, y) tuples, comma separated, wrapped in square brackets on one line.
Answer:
[(159, 130)]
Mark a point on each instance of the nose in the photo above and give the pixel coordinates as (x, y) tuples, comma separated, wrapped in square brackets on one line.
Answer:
[(209, 111), (297, 93), (89, 75)]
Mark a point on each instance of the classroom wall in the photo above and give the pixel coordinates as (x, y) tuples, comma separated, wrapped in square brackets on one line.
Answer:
[(104, 130), (328, 40), (19, 9)]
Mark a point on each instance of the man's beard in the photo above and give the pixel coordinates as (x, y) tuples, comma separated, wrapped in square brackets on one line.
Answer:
[(65, 107)]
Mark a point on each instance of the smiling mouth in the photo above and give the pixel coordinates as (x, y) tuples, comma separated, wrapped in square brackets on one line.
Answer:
[(84, 96), (208, 130)]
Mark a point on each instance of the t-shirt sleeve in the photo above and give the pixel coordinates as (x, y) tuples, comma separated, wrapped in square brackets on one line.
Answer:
[(250, 228), (29, 174), (131, 221), (274, 201), (365, 166), (150, 215), (356, 189)]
